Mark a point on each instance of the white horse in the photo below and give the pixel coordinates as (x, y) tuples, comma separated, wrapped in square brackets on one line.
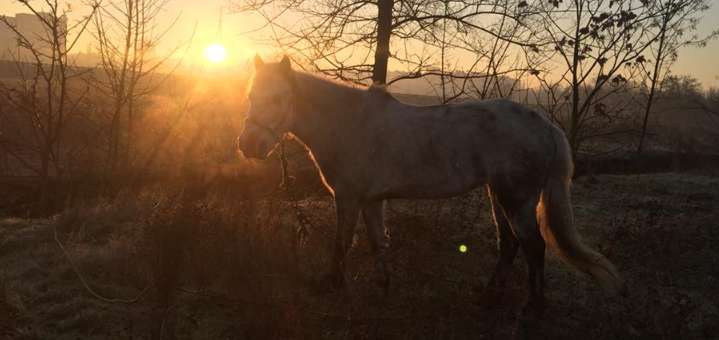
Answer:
[(370, 147)]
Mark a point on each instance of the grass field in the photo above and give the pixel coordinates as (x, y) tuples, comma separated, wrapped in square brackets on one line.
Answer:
[(215, 269)]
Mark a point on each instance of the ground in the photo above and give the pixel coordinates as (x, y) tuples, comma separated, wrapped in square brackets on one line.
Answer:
[(218, 272)]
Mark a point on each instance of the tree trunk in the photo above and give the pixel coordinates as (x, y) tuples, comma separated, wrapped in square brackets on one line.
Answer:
[(130, 125), (384, 30), (114, 140), (44, 203), (652, 90), (576, 113)]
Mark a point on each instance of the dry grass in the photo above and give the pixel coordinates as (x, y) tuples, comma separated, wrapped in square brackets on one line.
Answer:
[(226, 269)]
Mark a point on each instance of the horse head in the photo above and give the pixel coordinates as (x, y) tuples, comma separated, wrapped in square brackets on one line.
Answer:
[(272, 112)]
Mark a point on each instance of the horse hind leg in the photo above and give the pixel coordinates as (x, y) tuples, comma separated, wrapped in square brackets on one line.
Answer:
[(522, 217), (507, 245)]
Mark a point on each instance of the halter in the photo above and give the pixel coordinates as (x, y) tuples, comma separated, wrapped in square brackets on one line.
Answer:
[(271, 131)]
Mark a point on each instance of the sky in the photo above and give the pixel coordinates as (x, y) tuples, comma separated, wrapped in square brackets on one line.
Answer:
[(203, 18)]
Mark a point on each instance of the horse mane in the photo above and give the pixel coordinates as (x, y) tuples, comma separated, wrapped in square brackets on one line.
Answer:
[(378, 87), (381, 90), (374, 91)]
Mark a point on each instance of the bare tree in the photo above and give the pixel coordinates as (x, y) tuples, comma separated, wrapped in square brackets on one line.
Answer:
[(358, 40), (673, 27), (127, 37), (590, 43), (39, 103), (497, 62)]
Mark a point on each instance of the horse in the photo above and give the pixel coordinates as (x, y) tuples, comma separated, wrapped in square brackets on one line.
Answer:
[(370, 148)]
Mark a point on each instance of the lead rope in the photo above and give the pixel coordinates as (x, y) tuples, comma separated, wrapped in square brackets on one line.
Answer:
[(300, 235), (288, 184)]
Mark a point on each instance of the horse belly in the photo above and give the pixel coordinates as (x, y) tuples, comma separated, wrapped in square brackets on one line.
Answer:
[(431, 181)]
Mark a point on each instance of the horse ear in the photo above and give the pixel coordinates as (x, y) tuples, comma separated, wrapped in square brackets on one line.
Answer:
[(258, 61), (285, 63)]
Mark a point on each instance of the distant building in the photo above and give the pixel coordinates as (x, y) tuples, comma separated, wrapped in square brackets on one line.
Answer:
[(37, 33)]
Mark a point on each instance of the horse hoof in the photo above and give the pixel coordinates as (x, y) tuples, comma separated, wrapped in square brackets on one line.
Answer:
[(382, 282), (329, 282), (485, 298), (322, 286), (534, 306), (476, 311)]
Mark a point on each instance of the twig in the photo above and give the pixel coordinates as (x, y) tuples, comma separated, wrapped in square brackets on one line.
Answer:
[(84, 283)]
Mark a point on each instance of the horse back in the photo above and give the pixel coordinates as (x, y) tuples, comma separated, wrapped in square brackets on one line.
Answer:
[(441, 151)]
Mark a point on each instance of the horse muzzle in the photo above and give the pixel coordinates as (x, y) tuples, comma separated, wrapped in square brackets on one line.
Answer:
[(254, 145)]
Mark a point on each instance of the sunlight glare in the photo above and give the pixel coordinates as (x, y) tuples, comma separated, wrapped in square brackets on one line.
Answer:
[(216, 53)]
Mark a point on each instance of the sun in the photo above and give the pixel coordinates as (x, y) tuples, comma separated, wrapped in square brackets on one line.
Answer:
[(216, 53)]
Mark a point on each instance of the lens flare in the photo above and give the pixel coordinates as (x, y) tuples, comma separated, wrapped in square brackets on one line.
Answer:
[(216, 53)]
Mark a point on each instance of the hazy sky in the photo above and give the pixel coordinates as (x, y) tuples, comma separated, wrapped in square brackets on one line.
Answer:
[(205, 14)]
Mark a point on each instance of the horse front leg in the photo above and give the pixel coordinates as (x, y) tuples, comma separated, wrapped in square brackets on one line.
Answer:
[(347, 214), (373, 215)]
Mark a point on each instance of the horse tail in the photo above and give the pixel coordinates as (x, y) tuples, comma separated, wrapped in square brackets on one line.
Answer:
[(554, 214)]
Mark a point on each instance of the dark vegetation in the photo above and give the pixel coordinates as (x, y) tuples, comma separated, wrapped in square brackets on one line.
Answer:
[(230, 269)]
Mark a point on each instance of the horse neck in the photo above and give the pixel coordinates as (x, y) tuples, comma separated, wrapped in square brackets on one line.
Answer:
[(323, 109)]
